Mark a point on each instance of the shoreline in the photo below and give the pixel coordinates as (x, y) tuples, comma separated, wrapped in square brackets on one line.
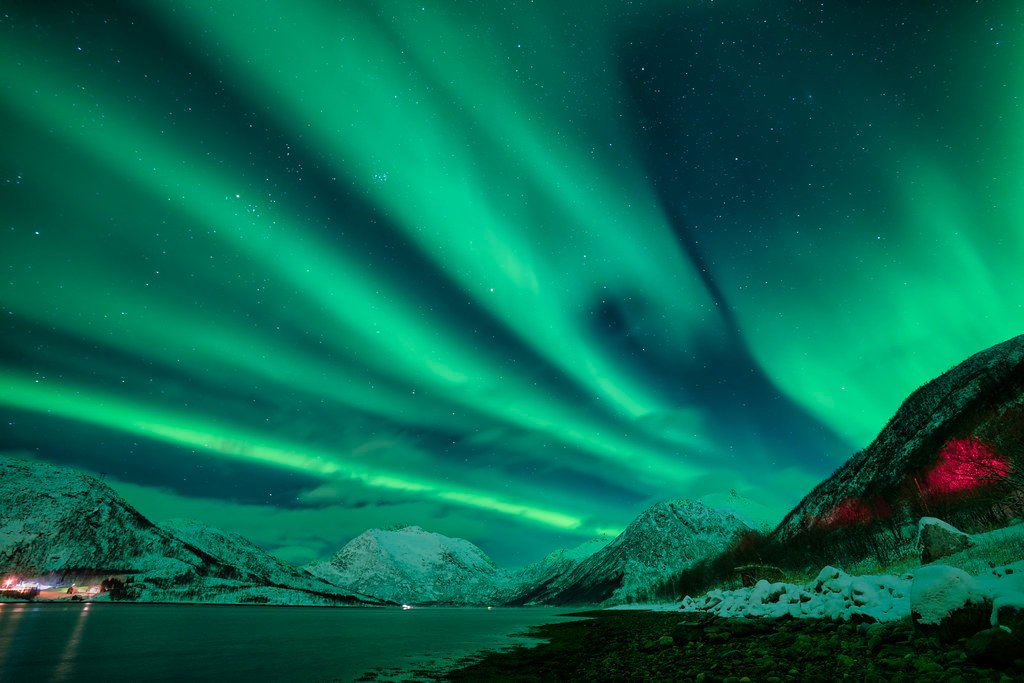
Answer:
[(202, 604), (624, 645)]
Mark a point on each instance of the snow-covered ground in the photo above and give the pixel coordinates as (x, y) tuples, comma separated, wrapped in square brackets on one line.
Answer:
[(833, 593), (935, 589)]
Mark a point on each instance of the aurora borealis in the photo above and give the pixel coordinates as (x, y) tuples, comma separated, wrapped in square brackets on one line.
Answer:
[(508, 271)]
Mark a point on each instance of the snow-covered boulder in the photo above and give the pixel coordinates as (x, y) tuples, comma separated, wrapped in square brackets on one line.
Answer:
[(949, 603), (944, 598), (830, 580), (763, 592), (937, 539), (1008, 612), (1003, 644), (832, 595)]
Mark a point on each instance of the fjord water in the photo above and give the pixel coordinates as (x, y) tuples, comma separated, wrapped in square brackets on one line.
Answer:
[(116, 642)]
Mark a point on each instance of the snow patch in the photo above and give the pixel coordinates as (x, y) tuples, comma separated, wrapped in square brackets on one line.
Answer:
[(933, 591), (939, 590)]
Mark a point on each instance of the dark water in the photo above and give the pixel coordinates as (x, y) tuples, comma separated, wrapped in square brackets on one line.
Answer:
[(111, 642)]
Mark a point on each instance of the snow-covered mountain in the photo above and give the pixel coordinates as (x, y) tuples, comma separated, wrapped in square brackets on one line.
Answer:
[(62, 522), (413, 566), (555, 564), (966, 421), (252, 562), (660, 541)]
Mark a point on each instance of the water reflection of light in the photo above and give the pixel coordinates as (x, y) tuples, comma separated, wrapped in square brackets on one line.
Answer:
[(67, 657), (9, 619)]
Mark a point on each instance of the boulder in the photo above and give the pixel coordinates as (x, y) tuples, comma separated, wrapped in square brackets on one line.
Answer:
[(1008, 613), (994, 647), (687, 632), (948, 603), (830, 580), (937, 539), (764, 592), (659, 644)]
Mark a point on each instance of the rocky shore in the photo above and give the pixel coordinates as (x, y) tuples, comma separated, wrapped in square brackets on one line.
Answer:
[(665, 646)]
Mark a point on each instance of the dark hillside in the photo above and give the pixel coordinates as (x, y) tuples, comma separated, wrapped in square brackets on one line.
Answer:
[(954, 450)]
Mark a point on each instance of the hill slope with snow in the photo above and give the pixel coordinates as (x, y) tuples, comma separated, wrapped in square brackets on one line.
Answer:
[(660, 541), (252, 562), (548, 569), (413, 566), (62, 522)]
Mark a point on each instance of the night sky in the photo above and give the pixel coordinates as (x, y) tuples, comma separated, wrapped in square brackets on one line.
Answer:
[(510, 271)]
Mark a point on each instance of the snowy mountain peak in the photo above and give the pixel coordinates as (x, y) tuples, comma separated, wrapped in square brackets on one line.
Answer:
[(577, 553), (676, 532), (411, 565), (673, 515), (662, 539)]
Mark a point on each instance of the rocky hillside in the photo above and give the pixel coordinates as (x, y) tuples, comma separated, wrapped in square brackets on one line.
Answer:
[(64, 523), (661, 540), (414, 566), (961, 432), (252, 562), (548, 569), (60, 519)]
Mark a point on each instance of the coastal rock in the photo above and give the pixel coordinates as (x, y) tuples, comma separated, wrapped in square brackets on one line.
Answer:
[(948, 603), (629, 647), (937, 539), (993, 647), (830, 579), (1008, 613), (658, 644), (687, 632)]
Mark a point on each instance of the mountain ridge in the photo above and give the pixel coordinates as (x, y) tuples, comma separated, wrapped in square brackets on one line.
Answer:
[(662, 539), (59, 521), (980, 398), (413, 566)]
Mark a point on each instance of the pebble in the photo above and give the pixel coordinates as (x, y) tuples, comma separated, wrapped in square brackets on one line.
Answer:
[(618, 646)]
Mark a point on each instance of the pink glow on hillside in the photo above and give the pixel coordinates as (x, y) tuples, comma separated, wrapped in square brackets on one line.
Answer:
[(849, 510), (965, 464)]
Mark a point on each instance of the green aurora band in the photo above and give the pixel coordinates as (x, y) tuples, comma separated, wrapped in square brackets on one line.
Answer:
[(500, 144)]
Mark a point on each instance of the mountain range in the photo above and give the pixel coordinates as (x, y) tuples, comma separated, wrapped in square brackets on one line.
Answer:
[(68, 525), (962, 432), (63, 523), (410, 565)]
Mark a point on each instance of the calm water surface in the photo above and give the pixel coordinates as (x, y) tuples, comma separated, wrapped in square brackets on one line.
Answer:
[(112, 642)]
